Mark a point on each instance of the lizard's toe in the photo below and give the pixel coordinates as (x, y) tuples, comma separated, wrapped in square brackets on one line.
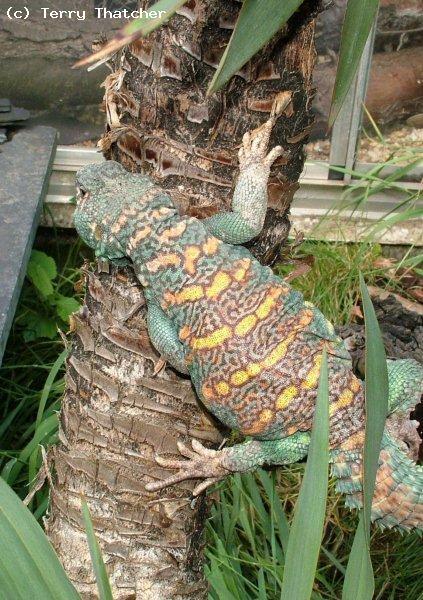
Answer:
[(275, 153), (203, 463)]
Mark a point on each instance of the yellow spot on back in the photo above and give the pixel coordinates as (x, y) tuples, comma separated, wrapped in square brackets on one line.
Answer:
[(251, 370), (173, 232), (248, 323), (312, 377), (131, 211), (184, 332), (285, 398), (355, 384), (264, 418), (207, 391), (163, 261), (222, 388), (355, 441), (189, 294), (213, 339), (121, 222), (220, 283), (245, 325), (280, 351), (239, 377), (139, 235), (191, 255), (241, 272), (268, 303), (210, 246), (345, 399), (159, 212)]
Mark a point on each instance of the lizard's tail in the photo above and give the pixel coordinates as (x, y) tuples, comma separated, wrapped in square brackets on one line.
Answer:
[(398, 496)]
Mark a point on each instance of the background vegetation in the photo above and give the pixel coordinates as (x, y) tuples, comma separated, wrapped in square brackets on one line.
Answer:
[(249, 526)]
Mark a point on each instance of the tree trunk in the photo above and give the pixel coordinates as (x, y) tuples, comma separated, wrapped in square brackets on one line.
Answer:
[(115, 414)]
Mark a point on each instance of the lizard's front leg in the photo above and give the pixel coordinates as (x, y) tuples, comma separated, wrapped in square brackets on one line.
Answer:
[(214, 465), (249, 203)]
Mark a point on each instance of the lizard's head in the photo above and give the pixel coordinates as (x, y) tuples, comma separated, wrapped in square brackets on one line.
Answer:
[(103, 191)]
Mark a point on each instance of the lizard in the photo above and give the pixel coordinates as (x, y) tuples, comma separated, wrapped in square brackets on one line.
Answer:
[(251, 344)]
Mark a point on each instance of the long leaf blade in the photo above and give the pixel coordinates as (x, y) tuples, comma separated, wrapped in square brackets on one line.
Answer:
[(359, 583), (358, 21), (359, 579), (29, 567), (257, 23), (307, 526), (102, 579), (377, 391)]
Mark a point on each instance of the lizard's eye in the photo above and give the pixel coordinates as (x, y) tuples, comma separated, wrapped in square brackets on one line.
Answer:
[(82, 193)]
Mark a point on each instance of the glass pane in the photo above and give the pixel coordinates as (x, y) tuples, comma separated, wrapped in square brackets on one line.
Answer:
[(393, 118), (328, 35)]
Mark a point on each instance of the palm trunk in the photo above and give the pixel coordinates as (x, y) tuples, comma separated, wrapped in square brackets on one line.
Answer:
[(115, 414)]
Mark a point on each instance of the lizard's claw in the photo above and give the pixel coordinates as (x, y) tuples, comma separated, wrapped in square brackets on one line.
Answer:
[(203, 463), (254, 147), (159, 366)]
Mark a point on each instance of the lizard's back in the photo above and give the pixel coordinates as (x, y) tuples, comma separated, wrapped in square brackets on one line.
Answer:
[(254, 346)]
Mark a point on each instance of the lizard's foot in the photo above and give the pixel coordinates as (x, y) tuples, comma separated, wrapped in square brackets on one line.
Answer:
[(203, 463), (254, 146)]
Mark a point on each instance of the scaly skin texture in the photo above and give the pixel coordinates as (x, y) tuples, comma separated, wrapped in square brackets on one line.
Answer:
[(251, 344)]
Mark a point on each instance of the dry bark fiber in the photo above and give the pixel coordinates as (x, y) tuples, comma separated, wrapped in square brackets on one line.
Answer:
[(116, 415)]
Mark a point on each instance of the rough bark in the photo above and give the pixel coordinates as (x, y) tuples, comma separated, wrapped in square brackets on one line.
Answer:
[(116, 416)]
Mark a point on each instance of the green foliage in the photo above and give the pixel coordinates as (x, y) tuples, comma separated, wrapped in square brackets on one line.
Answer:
[(256, 25), (333, 282), (383, 177), (307, 525), (258, 21), (359, 579), (50, 309), (249, 528), (29, 567), (31, 377), (359, 18), (102, 579)]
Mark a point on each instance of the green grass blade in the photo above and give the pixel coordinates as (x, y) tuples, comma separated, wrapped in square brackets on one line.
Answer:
[(307, 526), (268, 484), (359, 583), (101, 577), (359, 579), (29, 567), (257, 23), (48, 385), (377, 390), (43, 433), (359, 18)]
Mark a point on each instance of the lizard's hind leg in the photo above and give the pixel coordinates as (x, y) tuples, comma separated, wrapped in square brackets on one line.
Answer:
[(249, 203), (213, 465)]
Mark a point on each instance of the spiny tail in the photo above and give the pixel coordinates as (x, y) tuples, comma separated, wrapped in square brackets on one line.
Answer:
[(398, 496)]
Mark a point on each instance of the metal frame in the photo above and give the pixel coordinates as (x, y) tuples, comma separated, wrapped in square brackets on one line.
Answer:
[(347, 127)]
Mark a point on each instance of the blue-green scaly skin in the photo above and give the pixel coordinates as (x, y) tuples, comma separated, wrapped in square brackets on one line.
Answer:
[(251, 344)]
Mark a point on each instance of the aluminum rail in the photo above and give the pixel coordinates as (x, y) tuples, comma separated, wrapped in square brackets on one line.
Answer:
[(315, 209)]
